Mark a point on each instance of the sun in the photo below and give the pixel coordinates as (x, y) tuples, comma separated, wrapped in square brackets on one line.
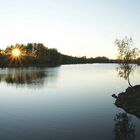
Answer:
[(16, 52), (17, 55)]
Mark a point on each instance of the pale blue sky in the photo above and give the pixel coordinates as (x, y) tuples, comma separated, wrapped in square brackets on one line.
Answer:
[(74, 27)]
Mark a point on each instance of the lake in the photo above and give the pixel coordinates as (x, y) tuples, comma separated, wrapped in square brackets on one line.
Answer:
[(70, 102)]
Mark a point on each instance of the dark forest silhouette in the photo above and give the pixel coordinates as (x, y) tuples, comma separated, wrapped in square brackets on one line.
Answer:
[(36, 54)]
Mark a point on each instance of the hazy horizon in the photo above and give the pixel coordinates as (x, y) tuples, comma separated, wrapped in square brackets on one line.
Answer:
[(77, 27)]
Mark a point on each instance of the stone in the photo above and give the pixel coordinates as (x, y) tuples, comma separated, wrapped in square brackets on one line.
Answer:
[(129, 100)]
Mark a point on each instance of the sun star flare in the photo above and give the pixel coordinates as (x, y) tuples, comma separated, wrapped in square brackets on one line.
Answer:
[(16, 52), (16, 55)]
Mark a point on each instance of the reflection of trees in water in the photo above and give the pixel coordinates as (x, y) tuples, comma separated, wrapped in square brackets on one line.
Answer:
[(27, 77), (124, 128), (124, 70), (34, 78)]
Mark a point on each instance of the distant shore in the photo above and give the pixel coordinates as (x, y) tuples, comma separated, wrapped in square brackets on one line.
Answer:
[(38, 55)]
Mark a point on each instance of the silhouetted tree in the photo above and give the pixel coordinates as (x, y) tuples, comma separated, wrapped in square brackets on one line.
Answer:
[(126, 55), (138, 61), (101, 59), (125, 51)]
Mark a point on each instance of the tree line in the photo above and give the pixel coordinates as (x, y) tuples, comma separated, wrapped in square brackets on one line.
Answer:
[(36, 54)]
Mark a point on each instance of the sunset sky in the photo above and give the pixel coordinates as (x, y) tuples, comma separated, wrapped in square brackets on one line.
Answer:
[(75, 27)]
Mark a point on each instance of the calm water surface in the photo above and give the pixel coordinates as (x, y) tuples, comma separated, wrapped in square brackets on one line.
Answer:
[(70, 102)]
